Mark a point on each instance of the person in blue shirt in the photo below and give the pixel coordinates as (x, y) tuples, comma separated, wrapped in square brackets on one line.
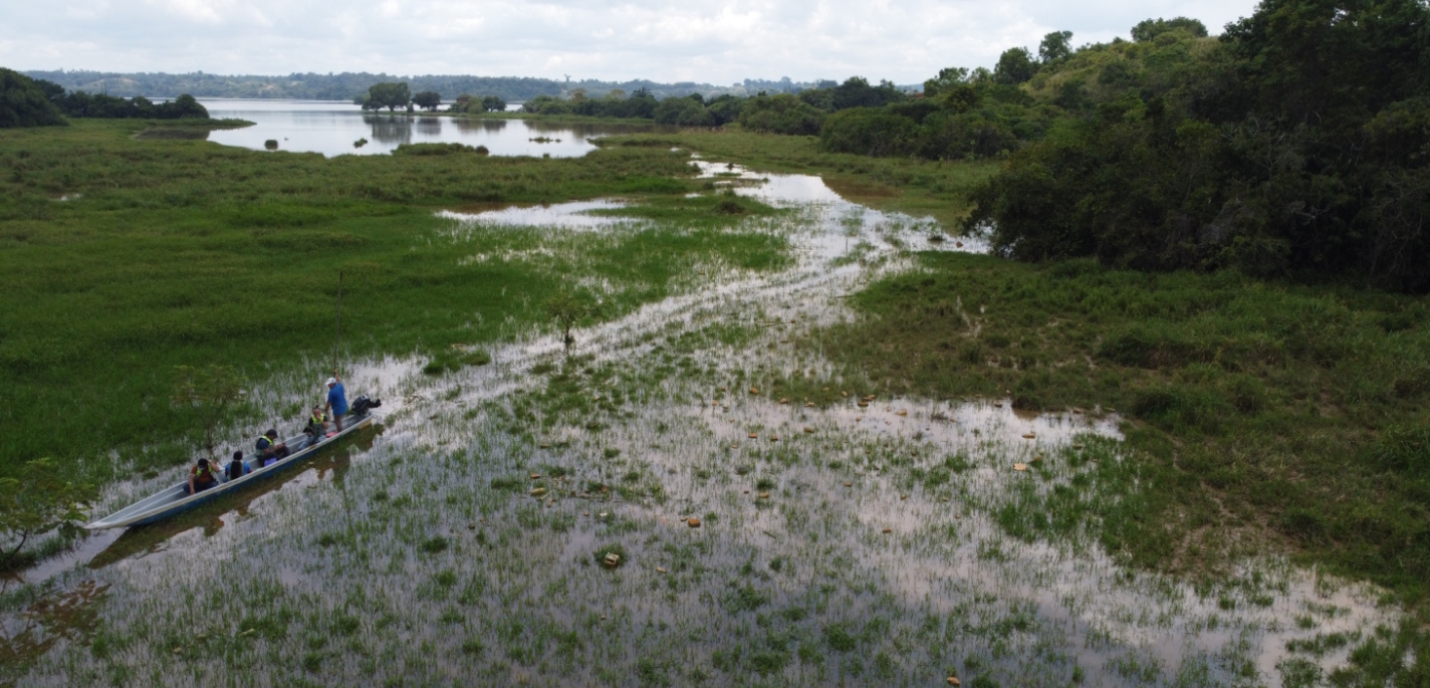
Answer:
[(337, 401)]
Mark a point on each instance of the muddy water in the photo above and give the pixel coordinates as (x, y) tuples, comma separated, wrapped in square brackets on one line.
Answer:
[(840, 544)]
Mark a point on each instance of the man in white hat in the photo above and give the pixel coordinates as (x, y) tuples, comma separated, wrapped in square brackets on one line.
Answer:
[(337, 401)]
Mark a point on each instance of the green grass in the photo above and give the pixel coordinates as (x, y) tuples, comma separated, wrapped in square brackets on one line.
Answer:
[(914, 186), (1261, 415), (191, 253)]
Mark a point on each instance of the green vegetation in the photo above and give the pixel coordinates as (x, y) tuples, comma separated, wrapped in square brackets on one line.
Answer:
[(1295, 144), (42, 497), (174, 253), (24, 104), (1263, 413), (388, 94), (917, 187)]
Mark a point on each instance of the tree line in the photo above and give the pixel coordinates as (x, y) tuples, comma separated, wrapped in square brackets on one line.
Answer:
[(35, 102), (1296, 143), (348, 85)]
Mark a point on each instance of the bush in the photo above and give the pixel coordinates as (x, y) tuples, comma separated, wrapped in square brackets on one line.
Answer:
[(781, 114), (869, 131)]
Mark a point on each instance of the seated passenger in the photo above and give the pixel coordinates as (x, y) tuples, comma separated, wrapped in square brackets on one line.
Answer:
[(270, 450), (237, 468), (201, 477), (317, 425)]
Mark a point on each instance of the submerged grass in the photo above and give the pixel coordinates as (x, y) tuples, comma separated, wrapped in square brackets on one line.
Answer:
[(1262, 414), (918, 187), (188, 253)]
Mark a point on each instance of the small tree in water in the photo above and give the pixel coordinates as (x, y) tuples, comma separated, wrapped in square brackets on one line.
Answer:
[(568, 308), (38, 501), (209, 391)]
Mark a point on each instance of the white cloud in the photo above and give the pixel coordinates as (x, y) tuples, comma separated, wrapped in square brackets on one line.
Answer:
[(719, 41)]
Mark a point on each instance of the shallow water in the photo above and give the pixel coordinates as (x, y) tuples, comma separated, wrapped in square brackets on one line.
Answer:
[(878, 521), (333, 127)]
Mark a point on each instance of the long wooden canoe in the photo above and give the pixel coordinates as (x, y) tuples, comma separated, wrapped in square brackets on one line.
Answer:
[(175, 499)]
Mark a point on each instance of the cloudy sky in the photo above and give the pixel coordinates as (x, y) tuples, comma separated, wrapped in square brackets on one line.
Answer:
[(715, 41)]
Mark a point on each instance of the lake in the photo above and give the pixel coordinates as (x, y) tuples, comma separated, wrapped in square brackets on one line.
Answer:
[(332, 128)]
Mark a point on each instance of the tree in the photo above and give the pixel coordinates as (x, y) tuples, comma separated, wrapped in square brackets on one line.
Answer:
[(1055, 46), (947, 78), (493, 104), (390, 95), (568, 308), (24, 104), (427, 100), (686, 112), (40, 500), (1149, 29), (209, 392), (1015, 66), (781, 114)]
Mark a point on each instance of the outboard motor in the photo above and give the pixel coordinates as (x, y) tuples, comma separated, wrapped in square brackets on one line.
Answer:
[(362, 405)]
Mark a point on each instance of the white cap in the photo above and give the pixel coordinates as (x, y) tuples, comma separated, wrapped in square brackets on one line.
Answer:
[(332, 381)]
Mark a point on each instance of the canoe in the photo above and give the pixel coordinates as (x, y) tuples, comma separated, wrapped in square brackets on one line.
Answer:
[(176, 499)]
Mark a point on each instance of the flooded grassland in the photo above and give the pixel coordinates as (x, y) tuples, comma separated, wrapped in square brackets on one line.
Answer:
[(759, 537)]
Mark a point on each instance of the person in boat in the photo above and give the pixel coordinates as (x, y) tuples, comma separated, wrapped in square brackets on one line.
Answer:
[(236, 467), (317, 425), (270, 450), (337, 401), (202, 477)]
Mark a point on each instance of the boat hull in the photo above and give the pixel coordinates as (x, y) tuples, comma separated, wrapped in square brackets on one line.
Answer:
[(175, 499)]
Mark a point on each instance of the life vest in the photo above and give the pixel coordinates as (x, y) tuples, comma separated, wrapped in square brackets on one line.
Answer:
[(316, 420), (261, 440), (204, 475)]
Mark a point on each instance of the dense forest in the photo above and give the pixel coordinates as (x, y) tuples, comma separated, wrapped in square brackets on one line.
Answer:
[(349, 85), (1297, 143), (27, 102)]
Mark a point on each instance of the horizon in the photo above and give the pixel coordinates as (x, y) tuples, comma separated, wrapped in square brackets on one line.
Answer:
[(660, 42)]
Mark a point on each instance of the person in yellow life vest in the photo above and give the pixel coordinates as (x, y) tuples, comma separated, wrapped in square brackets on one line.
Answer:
[(201, 477), (270, 450), (317, 425)]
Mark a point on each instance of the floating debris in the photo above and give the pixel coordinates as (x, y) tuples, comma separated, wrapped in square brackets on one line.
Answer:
[(774, 438), (544, 445), (953, 680), (848, 484), (660, 569), (754, 436), (809, 404), (901, 412), (808, 430), (1020, 466), (863, 404), (693, 522), (888, 530), (754, 390), (612, 560), (1029, 436), (764, 495), (536, 476), (784, 400), (538, 492), (997, 404)]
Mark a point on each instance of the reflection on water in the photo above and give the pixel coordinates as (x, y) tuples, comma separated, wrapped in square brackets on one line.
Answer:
[(332, 128)]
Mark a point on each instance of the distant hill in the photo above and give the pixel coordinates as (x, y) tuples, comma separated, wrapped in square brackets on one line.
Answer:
[(347, 85)]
